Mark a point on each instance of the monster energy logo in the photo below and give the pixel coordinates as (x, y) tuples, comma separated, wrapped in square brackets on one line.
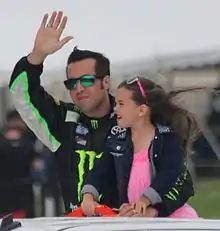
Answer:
[(171, 194), (94, 124), (83, 155)]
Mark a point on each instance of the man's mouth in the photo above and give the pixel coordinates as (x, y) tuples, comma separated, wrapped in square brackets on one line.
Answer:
[(82, 97), (119, 117)]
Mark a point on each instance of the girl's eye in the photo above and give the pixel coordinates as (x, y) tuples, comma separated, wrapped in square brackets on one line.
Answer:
[(119, 103)]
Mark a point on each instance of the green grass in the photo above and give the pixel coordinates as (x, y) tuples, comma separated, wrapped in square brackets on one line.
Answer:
[(207, 198)]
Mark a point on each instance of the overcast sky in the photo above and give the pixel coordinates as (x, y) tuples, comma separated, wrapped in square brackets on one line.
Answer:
[(122, 29)]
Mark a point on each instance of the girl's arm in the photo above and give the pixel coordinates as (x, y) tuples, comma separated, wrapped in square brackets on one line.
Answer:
[(173, 185)]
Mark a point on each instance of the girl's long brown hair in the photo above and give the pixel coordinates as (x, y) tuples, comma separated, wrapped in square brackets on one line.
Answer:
[(164, 111)]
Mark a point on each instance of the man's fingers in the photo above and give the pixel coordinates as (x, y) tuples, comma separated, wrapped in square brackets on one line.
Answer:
[(88, 209), (115, 210), (44, 20), (91, 212), (52, 18), (62, 25), (65, 40), (124, 206), (57, 20)]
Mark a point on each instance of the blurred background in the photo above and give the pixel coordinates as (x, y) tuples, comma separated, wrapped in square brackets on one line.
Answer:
[(175, 43)]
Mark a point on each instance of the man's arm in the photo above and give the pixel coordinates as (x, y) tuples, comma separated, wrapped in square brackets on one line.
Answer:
[(44, 116), (98, 177)]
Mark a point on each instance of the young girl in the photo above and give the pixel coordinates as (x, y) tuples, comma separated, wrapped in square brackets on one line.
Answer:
[(147, 153)]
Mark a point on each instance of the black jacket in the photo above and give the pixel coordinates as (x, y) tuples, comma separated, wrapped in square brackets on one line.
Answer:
[(171, 184)]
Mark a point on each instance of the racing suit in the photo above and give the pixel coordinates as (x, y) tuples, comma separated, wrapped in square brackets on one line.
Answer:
[(77, 139)]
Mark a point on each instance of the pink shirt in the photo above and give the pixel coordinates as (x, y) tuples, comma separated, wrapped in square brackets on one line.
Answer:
[(140, 181)]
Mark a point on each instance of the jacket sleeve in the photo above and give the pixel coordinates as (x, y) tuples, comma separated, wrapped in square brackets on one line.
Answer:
[(98, 177), (44, 115), (173, 186), (177, 196)]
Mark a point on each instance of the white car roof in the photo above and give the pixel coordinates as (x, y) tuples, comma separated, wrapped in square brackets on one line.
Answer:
[(115, 224)]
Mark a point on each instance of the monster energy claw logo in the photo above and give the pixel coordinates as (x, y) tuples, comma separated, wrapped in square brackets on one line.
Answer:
[(81, 166), (171, 194), (94, 124)]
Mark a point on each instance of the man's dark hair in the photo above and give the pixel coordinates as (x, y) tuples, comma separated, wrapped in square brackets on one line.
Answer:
[(102, 66)]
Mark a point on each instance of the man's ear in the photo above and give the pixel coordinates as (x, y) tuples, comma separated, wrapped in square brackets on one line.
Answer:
[(106, 82)]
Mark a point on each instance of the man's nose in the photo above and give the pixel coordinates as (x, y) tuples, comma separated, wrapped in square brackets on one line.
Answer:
[(79, 87)]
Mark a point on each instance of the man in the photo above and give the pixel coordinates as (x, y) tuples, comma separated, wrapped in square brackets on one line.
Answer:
[(77, 131)]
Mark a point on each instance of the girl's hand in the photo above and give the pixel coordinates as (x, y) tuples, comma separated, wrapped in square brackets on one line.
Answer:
[(150, 212), (126, 210), (141, 205), (88, 205)]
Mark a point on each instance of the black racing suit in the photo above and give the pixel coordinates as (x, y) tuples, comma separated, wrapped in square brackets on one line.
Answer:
[(77, 140)]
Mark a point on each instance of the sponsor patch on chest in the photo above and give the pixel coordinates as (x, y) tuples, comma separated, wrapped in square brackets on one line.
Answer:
[(81, 141), (81, 130)]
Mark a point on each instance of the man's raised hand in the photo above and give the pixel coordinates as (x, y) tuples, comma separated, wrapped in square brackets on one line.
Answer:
[(48, 39)]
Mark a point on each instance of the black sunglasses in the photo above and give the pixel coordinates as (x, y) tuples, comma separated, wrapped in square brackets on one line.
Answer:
[(85, 81)]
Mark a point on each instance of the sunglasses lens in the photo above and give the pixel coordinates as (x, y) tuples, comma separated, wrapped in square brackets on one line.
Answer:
[(85, 81), (70, 84)]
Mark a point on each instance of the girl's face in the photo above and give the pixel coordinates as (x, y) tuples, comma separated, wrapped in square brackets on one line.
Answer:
[(128, 112)]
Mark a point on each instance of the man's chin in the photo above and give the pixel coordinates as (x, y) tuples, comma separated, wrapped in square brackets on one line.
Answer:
[(88, 108), (83, 105), (85, 109)]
